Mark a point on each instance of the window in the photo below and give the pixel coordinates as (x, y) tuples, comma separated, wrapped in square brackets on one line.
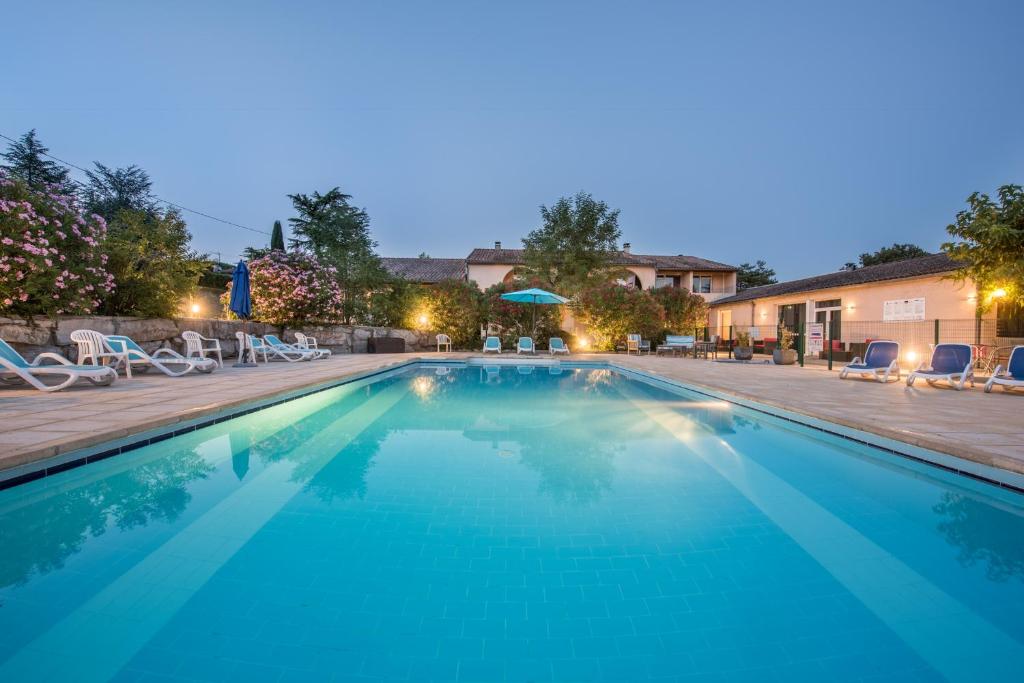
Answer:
[(702, 284), (831, 303), (666, 281)]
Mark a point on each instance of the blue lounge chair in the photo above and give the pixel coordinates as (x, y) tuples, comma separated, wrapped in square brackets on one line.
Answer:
[(1013, 376), (13, 368), (525, 345), (951, 362), (492, 345), (167, 361), (290, 351), (881, 361), (556, 346)]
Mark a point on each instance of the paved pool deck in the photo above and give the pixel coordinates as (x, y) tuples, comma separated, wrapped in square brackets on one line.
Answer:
[(983, 428)]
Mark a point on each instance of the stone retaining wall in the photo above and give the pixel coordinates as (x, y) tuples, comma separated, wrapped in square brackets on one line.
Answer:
[(152, 333)]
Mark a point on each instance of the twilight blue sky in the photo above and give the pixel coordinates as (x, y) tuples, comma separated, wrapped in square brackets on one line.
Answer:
[(798, 132)]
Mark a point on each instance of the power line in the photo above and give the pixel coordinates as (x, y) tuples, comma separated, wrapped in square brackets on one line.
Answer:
[(159, 199)]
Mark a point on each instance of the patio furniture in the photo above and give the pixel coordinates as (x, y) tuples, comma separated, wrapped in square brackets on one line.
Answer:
[(1012, 377), (492, 345), (703, 349), (557, 346), (676, 343), (277, 346), (881, 360), (13, 368), (304, 341), (93, 347), (635, 343), (444, 341), (953, 363), (167, 361), (525, 345), (197, 345)]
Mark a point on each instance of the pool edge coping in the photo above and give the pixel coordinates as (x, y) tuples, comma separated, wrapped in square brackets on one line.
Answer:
[(203, 417)]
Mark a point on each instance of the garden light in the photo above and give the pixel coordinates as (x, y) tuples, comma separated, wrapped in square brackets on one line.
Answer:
[(998, 293), (911, 356), (195, 309)]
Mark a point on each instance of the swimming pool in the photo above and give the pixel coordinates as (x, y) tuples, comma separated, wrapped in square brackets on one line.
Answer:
[(509, 524)]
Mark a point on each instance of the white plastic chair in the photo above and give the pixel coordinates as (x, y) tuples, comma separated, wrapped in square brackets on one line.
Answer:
[(307, 343), (445, 341), (198, 345), (94, 348)]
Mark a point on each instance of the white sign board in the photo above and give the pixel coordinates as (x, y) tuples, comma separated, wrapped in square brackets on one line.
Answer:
[(815, 338), (903, 309)]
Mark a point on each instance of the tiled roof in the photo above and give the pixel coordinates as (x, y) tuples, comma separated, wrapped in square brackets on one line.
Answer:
[(917, 267), (514, 257), (425, 270)]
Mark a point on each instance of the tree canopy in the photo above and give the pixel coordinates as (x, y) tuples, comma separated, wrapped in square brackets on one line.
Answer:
[(574, 246), (989, 243), (755, 275), (897, 252), (277, 237), (328, 226), (26, 161), (111, 190)]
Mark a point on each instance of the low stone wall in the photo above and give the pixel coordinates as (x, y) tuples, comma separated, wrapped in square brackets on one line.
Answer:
[(152, 333)]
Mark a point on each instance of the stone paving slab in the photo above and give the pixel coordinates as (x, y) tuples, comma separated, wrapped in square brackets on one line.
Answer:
[(985, 428)]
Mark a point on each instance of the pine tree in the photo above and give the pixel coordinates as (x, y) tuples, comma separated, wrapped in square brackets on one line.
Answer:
[(25, 161), (277, 237), (117, 189)]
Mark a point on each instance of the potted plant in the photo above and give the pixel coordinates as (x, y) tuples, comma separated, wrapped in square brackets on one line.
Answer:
[(784, 353), (743, 350)]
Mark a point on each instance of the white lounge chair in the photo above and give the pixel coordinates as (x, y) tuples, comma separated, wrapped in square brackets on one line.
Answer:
[(94, 348), (557, 346), (953, 363), (881, 361), (279, 349), (1013, 376), (445, 342), (525, 345), (492, 345), (13, 368), (304, 341), (197, 346), (167, 361)]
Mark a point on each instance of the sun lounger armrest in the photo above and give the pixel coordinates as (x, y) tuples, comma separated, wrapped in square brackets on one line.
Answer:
[(38, 360), (856, 361)]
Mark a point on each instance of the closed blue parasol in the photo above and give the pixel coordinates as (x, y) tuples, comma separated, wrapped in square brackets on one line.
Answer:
[(534, 296), (241, 305)]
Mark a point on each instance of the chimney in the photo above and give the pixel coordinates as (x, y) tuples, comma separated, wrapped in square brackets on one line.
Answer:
[(626, 246), (497, 244)]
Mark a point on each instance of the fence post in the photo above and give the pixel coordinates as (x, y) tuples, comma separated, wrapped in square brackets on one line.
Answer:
[(801, 336), (730, 342), (830, 333), (936, 331)]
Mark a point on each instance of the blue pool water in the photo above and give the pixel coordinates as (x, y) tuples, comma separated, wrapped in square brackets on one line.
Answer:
[(509, 525)]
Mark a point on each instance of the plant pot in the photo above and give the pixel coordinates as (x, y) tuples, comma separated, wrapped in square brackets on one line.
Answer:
[(743, 353), (784, 356)]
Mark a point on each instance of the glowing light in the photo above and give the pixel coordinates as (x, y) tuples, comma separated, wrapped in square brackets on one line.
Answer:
[(423, 319), (764, 314), (195, 309), (423, 386), (911, 356), (998, 293), (849, 308), (583, 342)]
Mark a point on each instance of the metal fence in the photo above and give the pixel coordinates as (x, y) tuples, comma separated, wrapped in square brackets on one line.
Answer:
[(846, 339)]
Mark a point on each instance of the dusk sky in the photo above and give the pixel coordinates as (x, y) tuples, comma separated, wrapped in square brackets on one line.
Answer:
[(800, 133)]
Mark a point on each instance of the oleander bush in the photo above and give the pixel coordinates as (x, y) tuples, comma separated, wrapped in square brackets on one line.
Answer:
[(611, 311), (684, 311), (452, 307), (512, 320), (51, 254), (292, 288)]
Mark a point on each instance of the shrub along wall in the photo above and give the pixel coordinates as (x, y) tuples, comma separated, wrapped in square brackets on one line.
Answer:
[(152, 333)]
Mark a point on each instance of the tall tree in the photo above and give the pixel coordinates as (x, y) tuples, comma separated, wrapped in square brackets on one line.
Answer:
[(574, 246), (755, 275), (277, 237), (330, 227), (26, 161), (111, 190), (989, 243), (897, 252)]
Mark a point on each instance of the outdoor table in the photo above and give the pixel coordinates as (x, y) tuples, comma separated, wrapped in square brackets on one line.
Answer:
[(702, 349)]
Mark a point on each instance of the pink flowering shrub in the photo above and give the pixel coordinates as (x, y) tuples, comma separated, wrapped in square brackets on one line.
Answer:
[(291, 288), (50, 254)]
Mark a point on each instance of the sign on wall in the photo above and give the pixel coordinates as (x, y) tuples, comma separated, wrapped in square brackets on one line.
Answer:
[(815, 338), (903, 309)]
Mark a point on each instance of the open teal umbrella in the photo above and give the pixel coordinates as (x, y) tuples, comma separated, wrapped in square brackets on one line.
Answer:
[(534, 296)]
